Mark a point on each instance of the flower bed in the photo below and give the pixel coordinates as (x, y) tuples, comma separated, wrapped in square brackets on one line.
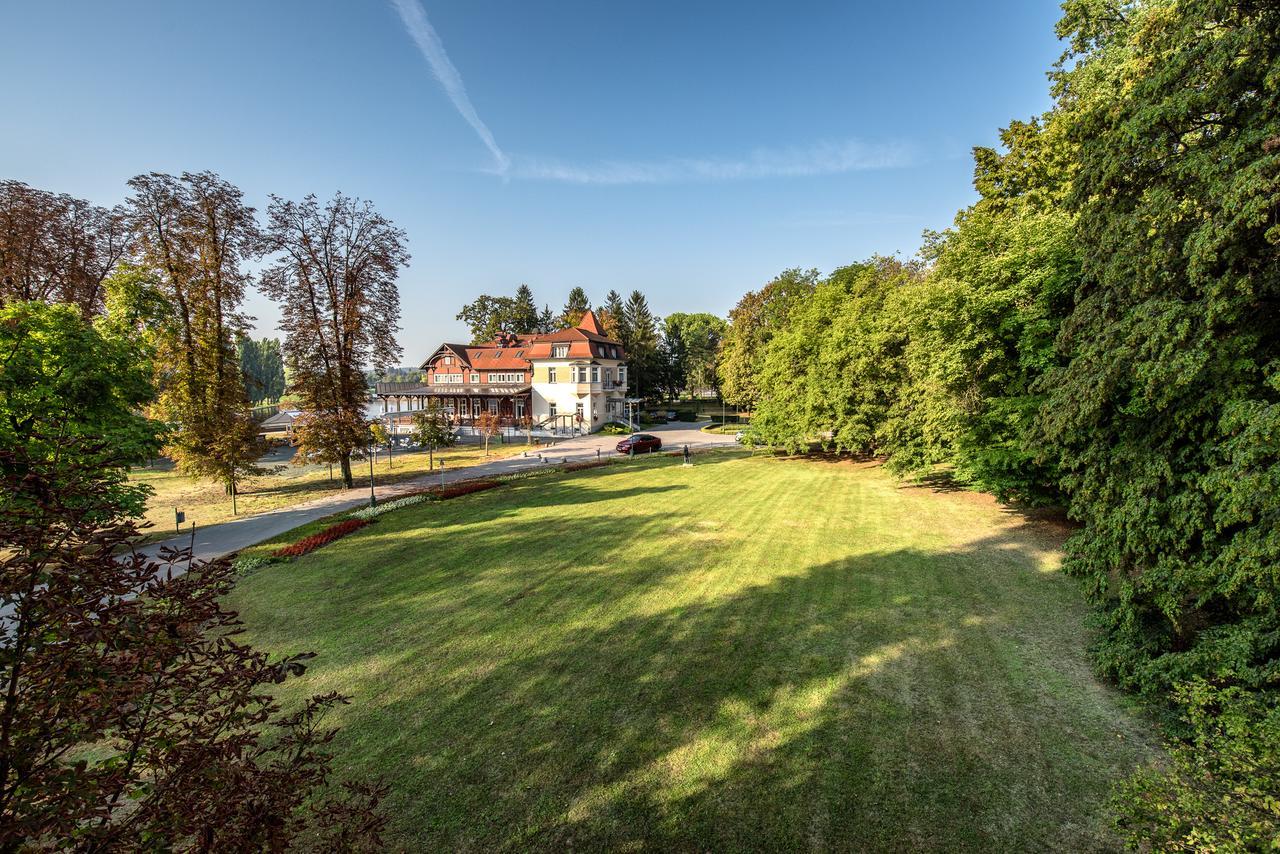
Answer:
[(464, 488), (334, 532), (378, 510)]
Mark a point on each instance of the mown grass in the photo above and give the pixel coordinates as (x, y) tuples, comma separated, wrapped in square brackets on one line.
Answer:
[(207, 503), (749, 653)]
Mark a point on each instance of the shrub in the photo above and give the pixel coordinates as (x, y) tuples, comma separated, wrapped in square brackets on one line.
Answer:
[(590, 464), (686, 415), (334, 532), (1219, 792), (615, 428), (378, 510), (247, 564), (466, 487)]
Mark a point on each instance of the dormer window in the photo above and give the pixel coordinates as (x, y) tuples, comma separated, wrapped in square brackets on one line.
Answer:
[(560, 351)]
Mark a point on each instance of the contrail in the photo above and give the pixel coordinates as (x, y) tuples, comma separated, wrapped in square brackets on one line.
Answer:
[(415, 21)]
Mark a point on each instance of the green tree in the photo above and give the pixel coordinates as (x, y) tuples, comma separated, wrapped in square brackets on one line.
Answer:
[(694, 342), (546, 320), (488, 317), (576, 306), (193, 233), (262, 363), (640, 344), (431, 428), (524, 311), (754, 321), (982, 327), (835, 371), (612, 316)]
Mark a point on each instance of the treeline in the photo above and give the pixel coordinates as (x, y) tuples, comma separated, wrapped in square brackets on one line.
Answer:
[(666, 357), (169, 270), (1101, 329)]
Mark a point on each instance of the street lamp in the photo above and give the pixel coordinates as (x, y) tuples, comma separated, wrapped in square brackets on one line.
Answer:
[(373, 499)]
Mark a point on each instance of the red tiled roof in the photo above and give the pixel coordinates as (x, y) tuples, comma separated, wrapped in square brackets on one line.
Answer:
[(513, 352)]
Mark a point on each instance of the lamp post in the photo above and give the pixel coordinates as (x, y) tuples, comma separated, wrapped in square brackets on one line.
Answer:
[(373, 499)]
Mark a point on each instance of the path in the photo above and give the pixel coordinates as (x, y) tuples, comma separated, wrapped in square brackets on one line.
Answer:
[(217, 540)]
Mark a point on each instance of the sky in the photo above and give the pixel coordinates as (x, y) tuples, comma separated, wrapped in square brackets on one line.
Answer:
[(688, 150)]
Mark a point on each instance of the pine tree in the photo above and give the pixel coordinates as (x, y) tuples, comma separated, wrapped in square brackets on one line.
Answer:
[(524, 312), (576, 306), (612, 316), (641, 342)]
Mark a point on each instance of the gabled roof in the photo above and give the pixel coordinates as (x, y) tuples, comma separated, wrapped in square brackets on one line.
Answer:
[(514, 352), (591, 323), (459, 350)]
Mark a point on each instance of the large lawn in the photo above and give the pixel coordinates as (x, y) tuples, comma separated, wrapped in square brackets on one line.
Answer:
[(751, 653)]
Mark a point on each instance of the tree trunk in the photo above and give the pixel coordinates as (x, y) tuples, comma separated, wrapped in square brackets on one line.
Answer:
[(347, 481)]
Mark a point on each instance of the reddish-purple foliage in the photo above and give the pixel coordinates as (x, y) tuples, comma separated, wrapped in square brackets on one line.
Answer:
[(335, 531)]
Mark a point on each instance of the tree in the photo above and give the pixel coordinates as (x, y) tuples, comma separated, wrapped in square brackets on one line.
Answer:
[(576, 306), (262, 363), (754, 321), (546, 320), (641, 343), (693, 344), (835, 371), (489, 425), (983, 327), (430, 428), (55, 248), (524, 311), (611, 316), (193, 233), (489, 317), (335, 279), (130, 717)]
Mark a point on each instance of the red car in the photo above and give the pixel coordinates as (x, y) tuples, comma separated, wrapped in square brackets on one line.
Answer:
[(640, 443)]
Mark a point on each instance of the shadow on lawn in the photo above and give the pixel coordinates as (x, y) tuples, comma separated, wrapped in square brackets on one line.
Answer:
[(891, 701)]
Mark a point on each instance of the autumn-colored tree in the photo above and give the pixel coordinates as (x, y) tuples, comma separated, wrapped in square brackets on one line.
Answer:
[(430, 428), (334, 276), (55, 248), (194, 233), (489, 425)]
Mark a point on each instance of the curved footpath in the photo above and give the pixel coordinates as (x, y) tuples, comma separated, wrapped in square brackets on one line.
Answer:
[(215, 541)]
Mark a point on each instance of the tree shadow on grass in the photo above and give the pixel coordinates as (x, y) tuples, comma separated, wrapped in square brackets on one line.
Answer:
[(887, 701)]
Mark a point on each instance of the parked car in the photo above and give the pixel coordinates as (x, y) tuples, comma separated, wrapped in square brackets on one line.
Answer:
[(642, 443)]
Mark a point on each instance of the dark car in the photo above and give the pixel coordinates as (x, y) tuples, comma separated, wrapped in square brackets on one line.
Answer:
[(640, 443)]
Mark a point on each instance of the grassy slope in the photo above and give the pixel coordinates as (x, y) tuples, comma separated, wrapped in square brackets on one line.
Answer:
[(206, 503), (748, 653)]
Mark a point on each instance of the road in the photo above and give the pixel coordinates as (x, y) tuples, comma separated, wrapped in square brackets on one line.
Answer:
[(217, 540)]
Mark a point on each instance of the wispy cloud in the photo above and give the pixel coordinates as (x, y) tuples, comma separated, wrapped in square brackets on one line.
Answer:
[(424, 35), (826, 158)]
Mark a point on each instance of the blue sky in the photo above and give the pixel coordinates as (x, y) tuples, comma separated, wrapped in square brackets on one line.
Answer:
[(691, 150)]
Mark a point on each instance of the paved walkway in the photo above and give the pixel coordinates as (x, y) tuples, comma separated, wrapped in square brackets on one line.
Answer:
[(217, 540)]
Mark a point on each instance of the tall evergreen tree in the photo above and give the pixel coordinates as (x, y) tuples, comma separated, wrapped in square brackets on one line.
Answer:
[(194, 233), (611, 316), (335, 278), (546, 320), (524, 312), (641, 344), (576, 306), (263, 366)]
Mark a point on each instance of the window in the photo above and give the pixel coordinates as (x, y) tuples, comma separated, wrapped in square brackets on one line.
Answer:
[(595, 373), (446, 379), (493, 406), (519, 409), (551, 410), (608, 375), (475, 408), (622, 374), (448, 360), (613, 351), (578, 412), (475, 378), (560, 351), (505, 378), (551, 375)]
